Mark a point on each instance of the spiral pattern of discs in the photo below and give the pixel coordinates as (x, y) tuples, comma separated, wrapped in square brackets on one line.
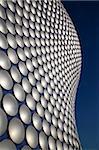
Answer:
[(40, 64)]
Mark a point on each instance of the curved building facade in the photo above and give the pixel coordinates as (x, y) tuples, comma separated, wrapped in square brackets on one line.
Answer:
[(40, 64)]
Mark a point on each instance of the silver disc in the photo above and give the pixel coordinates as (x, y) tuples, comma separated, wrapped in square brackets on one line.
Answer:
[(35, 94), (27, 52), (46, 127), (10, 104), (3, 41), (5, 80), (16, 130), (32, 136), (10, 27), (11, 40), (19, 92), (21, 54), (52, 144), (3, 122), (59, 145), (26, 147), (23, 68), (43, 140), (26, 85), (15, 74), (2, 12), (31, 78), (12, 56), (40, 110), (37, 121), (25, 114), (30, 102), (53, 131), (3, 27), (29, 65), (7, 145)]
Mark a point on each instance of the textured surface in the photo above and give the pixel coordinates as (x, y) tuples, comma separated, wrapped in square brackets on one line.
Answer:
[(40, 63)]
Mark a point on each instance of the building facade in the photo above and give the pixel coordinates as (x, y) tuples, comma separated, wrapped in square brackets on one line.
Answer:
[(40, 65)]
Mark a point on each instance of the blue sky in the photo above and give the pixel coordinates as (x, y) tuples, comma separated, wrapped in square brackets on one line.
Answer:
[(85, 16)]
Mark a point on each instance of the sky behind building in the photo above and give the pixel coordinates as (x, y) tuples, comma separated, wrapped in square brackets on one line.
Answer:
[(85, 16)]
